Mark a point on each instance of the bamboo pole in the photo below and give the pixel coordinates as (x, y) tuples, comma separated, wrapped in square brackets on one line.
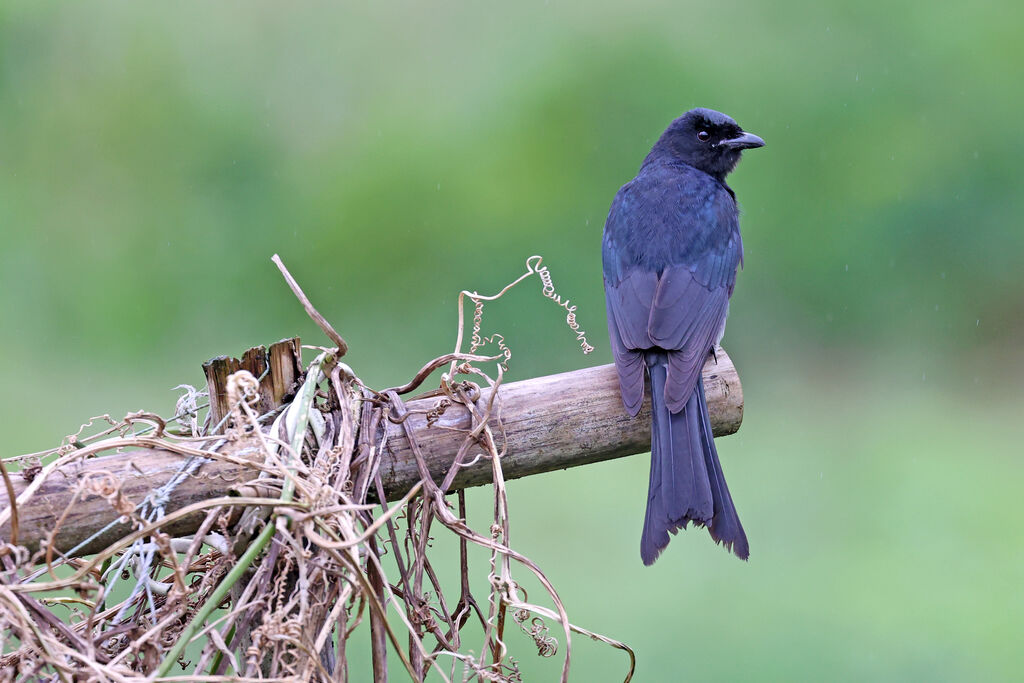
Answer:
[(549, 423)]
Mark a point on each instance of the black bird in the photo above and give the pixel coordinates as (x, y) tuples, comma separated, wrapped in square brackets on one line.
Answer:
[(671, 250)]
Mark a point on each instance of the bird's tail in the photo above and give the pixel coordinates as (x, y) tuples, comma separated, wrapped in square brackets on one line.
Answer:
[(687, 484)]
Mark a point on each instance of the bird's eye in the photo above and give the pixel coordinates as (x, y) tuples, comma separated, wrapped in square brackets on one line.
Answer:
[(703, 136)]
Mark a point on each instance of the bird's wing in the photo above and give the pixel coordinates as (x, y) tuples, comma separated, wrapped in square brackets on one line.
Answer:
[(687, 319), (629, 306), (670, 260)]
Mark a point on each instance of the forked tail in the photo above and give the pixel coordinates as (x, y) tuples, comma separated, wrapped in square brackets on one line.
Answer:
[(687, 483)]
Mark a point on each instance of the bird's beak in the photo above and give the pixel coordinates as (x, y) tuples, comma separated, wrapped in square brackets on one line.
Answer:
[(743, 141)]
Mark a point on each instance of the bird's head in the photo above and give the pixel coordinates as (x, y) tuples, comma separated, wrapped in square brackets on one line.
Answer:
[(708, 140)]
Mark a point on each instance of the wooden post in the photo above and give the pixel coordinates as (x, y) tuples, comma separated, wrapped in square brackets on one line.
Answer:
[(554, 422)]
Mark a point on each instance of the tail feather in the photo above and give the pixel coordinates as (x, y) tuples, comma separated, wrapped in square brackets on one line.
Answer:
[(725, 525), (686, 480)]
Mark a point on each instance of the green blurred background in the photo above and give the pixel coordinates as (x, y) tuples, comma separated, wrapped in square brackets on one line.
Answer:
[(153, 158)]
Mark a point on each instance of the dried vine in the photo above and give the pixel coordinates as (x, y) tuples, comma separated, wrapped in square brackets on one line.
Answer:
[(279, 576)]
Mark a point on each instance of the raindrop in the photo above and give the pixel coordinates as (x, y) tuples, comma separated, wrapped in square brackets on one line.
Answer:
[(847, 267)]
